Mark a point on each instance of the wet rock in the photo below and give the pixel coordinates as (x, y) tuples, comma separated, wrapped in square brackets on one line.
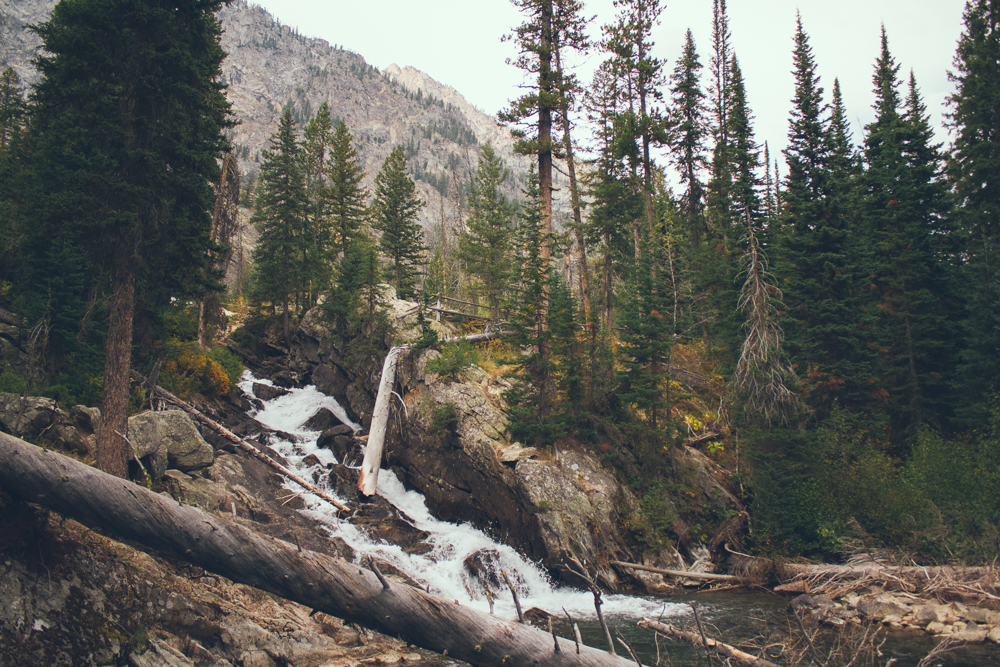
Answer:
[(483, 568), (340, 440), (266, 392), (381, 521), (285, 378), (324, 420)]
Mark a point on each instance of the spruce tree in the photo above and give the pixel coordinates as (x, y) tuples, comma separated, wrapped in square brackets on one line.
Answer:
[(486, 244), (615, 202), (629, 41), (820, 273), (317, 139), (688, 120), (531, 399), (974, 169), (344, 195), (396, 206), (281, 220), (905, 208), (13, 108), (126, 130)]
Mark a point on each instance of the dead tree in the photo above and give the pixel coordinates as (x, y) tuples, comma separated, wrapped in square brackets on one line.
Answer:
[(333, 586)]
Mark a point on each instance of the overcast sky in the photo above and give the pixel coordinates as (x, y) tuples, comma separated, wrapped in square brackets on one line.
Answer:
[(457, 42)]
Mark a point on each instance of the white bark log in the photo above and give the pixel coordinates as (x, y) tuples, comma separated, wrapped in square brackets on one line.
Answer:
[(368, 481)]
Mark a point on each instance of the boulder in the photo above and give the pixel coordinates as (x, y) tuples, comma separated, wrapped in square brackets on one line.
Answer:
[(323, 419), (878, 610), (340, 440), (169, 439), (28, 419), (146, 436), (266, 392)]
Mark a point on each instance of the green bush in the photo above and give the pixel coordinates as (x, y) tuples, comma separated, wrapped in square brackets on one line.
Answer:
[(455, 357), (11, 383), (445, 417)]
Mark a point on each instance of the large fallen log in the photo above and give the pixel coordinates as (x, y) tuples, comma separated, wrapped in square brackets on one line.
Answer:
[(332, 586), (712, 644)]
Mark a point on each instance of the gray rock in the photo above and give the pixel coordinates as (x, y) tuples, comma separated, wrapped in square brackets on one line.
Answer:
[(169, 439), (877, 611), (930, 613), (37, 414), (146, 435), (186, 449)]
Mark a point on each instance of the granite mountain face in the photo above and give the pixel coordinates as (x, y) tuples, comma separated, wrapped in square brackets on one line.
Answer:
[(271, 67)]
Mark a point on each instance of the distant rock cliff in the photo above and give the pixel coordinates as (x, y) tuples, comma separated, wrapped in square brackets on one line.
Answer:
[(270, 67)]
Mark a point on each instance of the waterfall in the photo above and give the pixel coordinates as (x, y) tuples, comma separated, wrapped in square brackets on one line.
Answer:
[(442, 570)]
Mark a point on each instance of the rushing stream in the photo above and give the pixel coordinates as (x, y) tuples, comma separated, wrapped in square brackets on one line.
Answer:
[(442, 570)]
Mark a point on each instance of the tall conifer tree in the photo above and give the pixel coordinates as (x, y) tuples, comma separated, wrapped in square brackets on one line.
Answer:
[(281, 219), (905, 209), (126, 130), (974, 170), (689, 122), (395, 216), (344, 195)]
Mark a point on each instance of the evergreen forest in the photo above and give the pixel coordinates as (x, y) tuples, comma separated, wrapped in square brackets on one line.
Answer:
[(824, 323)]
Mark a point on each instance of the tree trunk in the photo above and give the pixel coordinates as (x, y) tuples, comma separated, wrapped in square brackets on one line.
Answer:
[(326, 584), (112, 446), (368, 480)]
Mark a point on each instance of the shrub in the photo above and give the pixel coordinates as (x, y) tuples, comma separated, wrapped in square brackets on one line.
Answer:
[(11, 383), (455, 357), (445, 417), (187, 370)]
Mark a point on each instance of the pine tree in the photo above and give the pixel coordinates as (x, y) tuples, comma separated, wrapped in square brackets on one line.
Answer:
[(821, 275), (719, 217), (974, 169), (396, 207), (615, 202), (13, 108), (317, 141), (281, 219), (688, 119), (905, 209), (345, 197), (126, 130), (487, 243), (630, 44), (744, 154), (531, 398)]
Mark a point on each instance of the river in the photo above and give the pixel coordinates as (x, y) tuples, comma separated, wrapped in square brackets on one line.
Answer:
[(732, 615)]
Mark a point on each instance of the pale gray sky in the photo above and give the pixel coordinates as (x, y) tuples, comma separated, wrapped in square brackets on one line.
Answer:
[(457, 42)]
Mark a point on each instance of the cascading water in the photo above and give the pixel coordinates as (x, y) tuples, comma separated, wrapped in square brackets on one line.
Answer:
[(442, 570)]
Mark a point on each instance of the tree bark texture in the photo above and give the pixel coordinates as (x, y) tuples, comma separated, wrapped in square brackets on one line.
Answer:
[(112, 446), (332, 586)]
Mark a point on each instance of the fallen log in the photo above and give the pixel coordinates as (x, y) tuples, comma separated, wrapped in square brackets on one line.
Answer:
[(684, 574), (325, 584), (868, 569), (696, 639), (238, 441)]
